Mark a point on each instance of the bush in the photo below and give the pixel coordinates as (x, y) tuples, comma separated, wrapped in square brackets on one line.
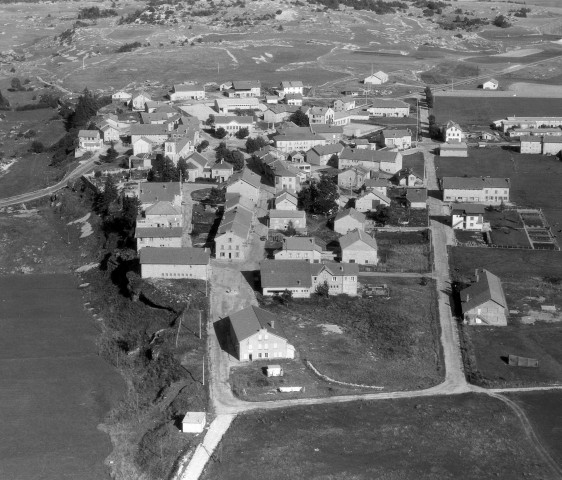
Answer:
[(128, 47), (37, 147)]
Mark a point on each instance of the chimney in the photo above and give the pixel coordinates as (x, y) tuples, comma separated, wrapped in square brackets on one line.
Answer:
[(477, 275), (272, 323)]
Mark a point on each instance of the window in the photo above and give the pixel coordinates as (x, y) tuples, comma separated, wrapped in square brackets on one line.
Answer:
[(334, 279), (265, 354), (265, 337), (275, 345), (259, 346), (250, 346), (259, 355), (259, 337)]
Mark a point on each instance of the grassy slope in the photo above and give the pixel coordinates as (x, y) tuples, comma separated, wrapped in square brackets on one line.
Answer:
[(468, 436)]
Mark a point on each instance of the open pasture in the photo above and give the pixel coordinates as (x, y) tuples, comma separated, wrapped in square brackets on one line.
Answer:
[(482, 111), (529, 176), (470, 436), (56, 388)]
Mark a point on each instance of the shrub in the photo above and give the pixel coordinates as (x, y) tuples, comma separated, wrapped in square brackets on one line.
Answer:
[(37, 147)]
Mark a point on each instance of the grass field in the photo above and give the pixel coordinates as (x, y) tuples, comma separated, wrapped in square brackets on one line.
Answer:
[(543, 410), (403, 251), (56, 389), (471, 436), (531, 184), (381, 343), (482, 111)]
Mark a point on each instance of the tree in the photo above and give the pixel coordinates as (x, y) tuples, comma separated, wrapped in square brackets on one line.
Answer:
[(501, 22), (217, 195), (328, 194), (202, 146), (16, 84), (323, 289), (111, 155), (380, 215), (163, 170), (428, 97), (4, 104), (220, 132), (286, 296), (433, 129), (254, 144), (290, 231), (242, 133), (299, 118), (107, 197), (221, 151), (307, 196), (236, 159), (210, 122), (37, 147), (182, 168), (130, 210)]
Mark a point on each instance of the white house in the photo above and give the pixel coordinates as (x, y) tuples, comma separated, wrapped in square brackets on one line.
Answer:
[(161, 214), (301, 141), (197, 166), (453, 149), (492, 191), (89, 140), (193, 422), (370, 200), (280, 219), (222, 171), (138, 100), (257, 335), (143, 145), (232, 124), (452, 132), (468, 216), (358, 247), (288, 87), (377, 78), (400, 139), (174, 263), (389, 108), (181, 148), (320, 115), (246, 183), (244, 89), (227, 105), (285, 200), (121, 97), (491, 84), (349, 219), (158, 237), (187, 92), (320, 154), (302, 248), (374, 160), (484, 302), (302, 278)]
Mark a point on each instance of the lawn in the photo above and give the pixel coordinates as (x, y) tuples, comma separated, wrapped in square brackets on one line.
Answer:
[(482, 111), (532, 177), (470, 436), (403, 251), (379, 342), (509, 237), (56, 388), (543, 410)]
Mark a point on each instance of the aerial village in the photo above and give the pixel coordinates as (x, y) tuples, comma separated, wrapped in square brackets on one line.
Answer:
[(280, 146)]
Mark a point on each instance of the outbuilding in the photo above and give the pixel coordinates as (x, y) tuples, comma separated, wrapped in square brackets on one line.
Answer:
[(194, 422)]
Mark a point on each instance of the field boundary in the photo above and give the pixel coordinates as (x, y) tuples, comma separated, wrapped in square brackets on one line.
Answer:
[(328, 379)]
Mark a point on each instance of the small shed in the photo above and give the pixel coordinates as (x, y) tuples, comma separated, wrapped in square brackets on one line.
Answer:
[(517, 361), (193, 422), (274, 371)]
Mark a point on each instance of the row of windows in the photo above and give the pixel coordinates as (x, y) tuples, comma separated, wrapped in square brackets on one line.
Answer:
[(230, 246), (180, 275), (265, 346), (236, 255), (266, 355)]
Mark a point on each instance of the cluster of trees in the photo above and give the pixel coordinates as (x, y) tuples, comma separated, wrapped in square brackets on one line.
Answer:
[(434, 130), (428, 97), (93, 13), (501, 22), (254, 144), (47, 100), (380, 7), (234, 157), (4, 103), (320, 197), (128, 47), (75, 119), (521, 13), (465, 23), (299, 118), (164, 170)]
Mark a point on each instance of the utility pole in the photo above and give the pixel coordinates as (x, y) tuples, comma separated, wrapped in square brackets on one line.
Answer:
[(203, 369), (199, 324)]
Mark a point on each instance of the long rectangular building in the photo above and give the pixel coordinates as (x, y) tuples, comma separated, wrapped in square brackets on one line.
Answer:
[(488, 190)]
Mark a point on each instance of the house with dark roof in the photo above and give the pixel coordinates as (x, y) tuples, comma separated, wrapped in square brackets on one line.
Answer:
[(389, 108), (285, 200), (416, 198), (310, 249), (222, 171), (379, 183), (413, 173), (150, 193), (235, 228), (233, 124), (348, 220), (359, 247), (484, 303), (256, 334), (353, 177), (397, 138), (244, 89), (174, 263), (490, 190), (89, 140), (302, 278), (187, 92), (158, 237), (197, 167), (468, 216), (453, 149), (320, 154)]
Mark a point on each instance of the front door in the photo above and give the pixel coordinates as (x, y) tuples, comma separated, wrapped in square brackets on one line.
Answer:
[(250, 356)]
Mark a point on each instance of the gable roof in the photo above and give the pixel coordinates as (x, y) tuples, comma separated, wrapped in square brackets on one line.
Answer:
[(88, 133), (330, 149), (198, 159), (174, 256), (468, 209), (251, 320), (305, 244), (377, 182), (158, 232), (188, 88), (357, 236), (292, 84), (285, 195), (374, 193), (247, 176), (392, 103), (222, 166), (227, 119), (416, 195), (323, 128), (474, 183), (234, 200), (163, 208), (151, 192), (285, 274), (396, 133), (487, 287), (350, 212), (286, 214), (149, 129), (245, 84)]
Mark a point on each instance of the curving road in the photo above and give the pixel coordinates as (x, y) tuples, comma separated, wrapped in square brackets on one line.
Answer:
[(30, 196)]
